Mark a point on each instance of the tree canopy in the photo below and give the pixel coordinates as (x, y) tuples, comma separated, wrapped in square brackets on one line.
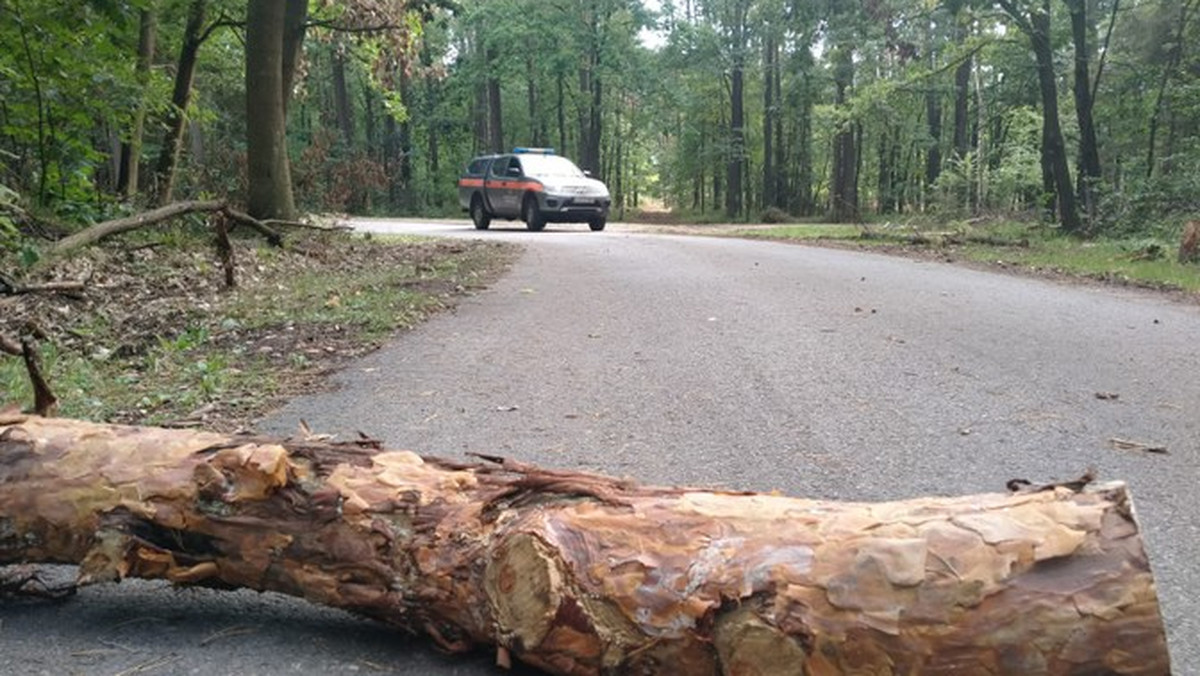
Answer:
[(1086, 112)]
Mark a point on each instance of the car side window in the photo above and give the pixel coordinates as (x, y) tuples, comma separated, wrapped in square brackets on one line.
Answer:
[(500, 166), (477, 167)]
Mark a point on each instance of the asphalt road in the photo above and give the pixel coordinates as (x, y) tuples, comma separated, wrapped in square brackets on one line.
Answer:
[(817, 372)]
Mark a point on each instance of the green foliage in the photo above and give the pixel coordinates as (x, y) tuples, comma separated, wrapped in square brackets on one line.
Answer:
[(65, 78), (412, 108)]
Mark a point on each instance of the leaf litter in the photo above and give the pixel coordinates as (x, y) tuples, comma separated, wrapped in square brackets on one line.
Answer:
[(155, 337)]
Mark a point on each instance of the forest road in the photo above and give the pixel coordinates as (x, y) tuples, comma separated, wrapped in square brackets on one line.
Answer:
[(709, 361)]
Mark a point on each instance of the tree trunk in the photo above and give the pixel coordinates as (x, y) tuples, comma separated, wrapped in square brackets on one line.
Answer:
[(962, 90), (736, 162), (181, 96), (979, 194), (933, 154), (802, 201), (341, 94), (1089, 151), (533, 97), (561, 113), (131, 150), (770, 115), (295, 18), (480, 119), (1174, 56), (584, 574), (408, 191), (270, 182), (434, 127), (737, 141), (391, 158), (891, 183), (595, 121), (781, 151), (1054, 156), (844, 192), (495, 108)]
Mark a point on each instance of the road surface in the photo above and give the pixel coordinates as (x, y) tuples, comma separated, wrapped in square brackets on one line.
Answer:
[(816, 372)]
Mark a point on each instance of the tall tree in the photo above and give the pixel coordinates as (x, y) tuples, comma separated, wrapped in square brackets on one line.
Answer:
[(737, 38), (131, 148), (1034, 22), (594, 15), (843, 196), (341, 93), (1168, 70), (194, 35), (1089, 147), (495, 104), (274, 33)]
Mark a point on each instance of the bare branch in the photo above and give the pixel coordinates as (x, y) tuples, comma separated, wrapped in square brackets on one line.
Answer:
[(109, 228)]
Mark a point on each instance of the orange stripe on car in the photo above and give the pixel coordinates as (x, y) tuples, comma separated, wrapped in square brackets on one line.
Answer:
[(516, 185), (500, 185)]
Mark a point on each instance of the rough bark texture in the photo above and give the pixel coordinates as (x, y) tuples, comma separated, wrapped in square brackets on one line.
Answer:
[(267, 81), (583, 574)]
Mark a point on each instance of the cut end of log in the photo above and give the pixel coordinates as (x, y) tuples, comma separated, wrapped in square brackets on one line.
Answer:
[(524, 584)]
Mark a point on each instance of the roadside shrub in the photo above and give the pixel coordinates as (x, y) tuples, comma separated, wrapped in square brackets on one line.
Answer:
[(775, 215)]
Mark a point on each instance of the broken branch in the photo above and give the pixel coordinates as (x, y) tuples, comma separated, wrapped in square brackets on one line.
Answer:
[(100, 231), (1128, 445), (44, 401)]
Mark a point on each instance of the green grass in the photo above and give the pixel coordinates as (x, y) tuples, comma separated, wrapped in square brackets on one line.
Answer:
[(1144, 262)]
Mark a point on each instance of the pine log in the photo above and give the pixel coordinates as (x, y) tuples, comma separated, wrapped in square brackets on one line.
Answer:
[(585, 574)]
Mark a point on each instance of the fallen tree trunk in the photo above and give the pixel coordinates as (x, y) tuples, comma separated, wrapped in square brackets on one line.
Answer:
[(584, 574)]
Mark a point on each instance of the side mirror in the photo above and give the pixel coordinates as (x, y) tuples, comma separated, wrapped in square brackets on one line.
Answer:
[(514, 171), (587, 172)]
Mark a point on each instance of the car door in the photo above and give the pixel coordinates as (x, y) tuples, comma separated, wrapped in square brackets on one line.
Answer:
[(499, 187)]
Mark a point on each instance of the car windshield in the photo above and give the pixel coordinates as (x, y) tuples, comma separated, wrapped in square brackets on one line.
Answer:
[(550, 165)]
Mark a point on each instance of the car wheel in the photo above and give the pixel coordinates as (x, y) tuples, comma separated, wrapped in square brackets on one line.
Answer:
[(596, 224), (479, 214), (533, 218)]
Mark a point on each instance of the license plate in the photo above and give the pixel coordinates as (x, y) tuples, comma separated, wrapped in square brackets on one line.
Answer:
[(584, 200)]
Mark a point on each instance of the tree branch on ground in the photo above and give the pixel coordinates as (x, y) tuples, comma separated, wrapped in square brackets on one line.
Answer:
[(44, 401), (117, 226)]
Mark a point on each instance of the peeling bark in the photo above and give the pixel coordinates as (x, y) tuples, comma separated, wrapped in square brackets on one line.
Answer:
[(585, 574)]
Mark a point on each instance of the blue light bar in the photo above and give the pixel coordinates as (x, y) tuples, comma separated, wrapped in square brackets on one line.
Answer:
[(533, 151)]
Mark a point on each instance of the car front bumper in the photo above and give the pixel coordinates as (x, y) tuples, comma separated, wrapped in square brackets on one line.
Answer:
[(576, 208)]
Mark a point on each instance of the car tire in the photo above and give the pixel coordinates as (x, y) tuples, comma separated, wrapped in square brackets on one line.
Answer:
[(479, 215), (534, 220), (596, 224)]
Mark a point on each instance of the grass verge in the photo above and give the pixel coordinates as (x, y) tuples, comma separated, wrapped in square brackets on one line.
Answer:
[(156, 339), (1141, 262)]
